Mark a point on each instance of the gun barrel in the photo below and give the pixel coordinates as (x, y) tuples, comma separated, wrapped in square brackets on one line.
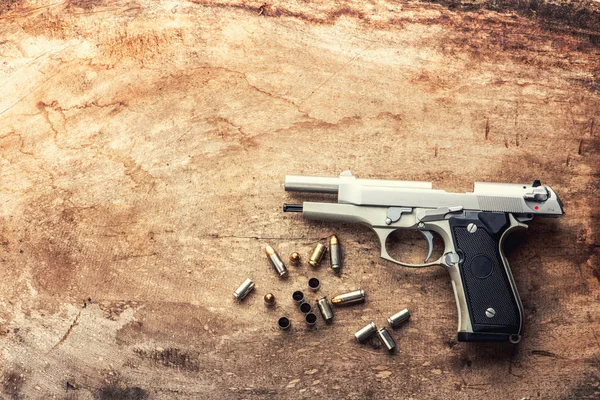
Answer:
[(314, 184), (324, 184)]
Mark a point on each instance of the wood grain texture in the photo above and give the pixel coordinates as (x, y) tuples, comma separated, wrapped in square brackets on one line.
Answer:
[(143, 147)]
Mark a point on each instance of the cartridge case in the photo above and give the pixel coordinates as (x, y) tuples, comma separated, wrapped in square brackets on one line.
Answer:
[(305, 308), (276, 262), (400, 317), (284, 323), (311, 319), (314, 284), (243, 290), (298, 297), (335, 253), (356, 296), (317, 255), (386, 339), (325, 309), (363, 334)]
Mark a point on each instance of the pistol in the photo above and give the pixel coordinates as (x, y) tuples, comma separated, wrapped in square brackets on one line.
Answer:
[(473, 227)]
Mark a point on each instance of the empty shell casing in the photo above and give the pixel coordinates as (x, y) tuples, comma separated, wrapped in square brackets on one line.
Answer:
[(269, 299), (325, 309), (284, 323), (305, 308), (276, 261), (363, 334), (397, 319), (335, 253), (311, 319), (386, 339), (243, 290), (298, 297), (314, 284), (356, 296), (317, 255), (295, 258)]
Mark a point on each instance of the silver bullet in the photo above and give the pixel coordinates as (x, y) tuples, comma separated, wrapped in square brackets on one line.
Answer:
[(365, 333), (314, 284), (243, 290), (311, 319), (386, 339), (276, 261), (325, 309), (356, 296), (284, 323), (335, 253), (397, 319), (317, 255)]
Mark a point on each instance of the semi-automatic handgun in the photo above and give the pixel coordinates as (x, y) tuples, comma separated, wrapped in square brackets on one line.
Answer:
[(473, 227)]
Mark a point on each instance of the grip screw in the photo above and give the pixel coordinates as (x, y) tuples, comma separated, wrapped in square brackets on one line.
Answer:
[(490, 313), (472, 228)]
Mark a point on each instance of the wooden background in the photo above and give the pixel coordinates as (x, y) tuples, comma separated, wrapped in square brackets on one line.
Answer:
[(143, 147)]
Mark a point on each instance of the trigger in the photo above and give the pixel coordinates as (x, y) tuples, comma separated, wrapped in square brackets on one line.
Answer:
[(429, 237)]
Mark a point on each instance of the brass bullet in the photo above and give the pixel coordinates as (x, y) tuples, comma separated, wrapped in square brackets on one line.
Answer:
[(269, 299), (295, 258)]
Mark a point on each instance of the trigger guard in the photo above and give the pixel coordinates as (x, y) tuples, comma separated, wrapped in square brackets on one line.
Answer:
[(383, 234)]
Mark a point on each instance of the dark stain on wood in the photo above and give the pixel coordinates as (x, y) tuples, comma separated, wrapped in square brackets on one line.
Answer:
[(12, 384)]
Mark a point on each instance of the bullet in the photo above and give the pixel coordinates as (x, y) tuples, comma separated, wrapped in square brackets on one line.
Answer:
[(269, 299), (243, 290), (311, 319), (317, 255), (356, 296), (386, 339), (325, 309), (397, 319), (335, 253), (284, 323), (363, 334), (295, 258), (314, 284), (305, 308), (276, 261), (298, 297)]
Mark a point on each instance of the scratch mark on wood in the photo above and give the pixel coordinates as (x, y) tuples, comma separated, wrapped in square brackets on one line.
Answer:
[(335, 74), (68, 332), (543, 353)]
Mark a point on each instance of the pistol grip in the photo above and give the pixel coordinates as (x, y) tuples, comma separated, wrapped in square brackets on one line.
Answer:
[(493, 306)]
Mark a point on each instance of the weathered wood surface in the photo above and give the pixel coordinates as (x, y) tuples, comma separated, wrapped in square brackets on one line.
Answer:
[(143, 147)]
